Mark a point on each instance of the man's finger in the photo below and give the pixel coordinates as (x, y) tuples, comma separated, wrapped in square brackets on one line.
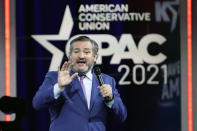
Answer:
[(70, 64), (74, 75), (58, 68), (64, 66)]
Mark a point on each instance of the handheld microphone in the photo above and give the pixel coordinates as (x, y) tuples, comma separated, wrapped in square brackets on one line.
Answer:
[(97, 71)]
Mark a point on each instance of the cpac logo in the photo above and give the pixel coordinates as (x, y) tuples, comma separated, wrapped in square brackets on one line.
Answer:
[(115, 48), (161, 9)]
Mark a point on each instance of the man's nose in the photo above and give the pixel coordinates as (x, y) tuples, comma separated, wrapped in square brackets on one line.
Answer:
[(81, 55)]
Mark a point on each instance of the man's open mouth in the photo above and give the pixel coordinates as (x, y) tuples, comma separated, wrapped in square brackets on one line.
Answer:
[(81, 62)]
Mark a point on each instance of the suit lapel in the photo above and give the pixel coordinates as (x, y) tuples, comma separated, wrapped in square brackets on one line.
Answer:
[(75, 85), (80, 90), (94, 92)]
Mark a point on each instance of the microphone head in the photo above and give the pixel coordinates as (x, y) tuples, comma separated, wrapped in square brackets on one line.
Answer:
[(97, 70)]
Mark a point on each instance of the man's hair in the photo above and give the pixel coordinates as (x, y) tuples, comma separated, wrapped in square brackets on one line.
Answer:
[(85, 38)]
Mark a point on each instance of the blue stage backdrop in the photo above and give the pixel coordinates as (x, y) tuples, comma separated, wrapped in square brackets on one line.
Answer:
[(139, 44)]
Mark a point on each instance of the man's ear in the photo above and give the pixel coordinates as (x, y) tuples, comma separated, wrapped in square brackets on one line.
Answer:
[(95, 57)]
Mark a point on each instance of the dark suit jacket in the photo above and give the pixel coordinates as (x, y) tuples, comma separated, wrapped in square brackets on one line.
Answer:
[(70, 112)]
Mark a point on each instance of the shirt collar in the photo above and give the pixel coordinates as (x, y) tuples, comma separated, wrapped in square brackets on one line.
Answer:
[(89, 74)]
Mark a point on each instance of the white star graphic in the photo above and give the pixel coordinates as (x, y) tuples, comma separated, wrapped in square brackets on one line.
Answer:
[(64, 34)]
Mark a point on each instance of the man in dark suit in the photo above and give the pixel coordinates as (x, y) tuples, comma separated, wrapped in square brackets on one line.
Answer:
[(73, 96)]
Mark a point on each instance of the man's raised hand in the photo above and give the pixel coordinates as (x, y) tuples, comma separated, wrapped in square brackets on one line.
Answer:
[(64, 77)]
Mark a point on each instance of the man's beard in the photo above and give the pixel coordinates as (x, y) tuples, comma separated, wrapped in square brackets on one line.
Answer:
[(84, 71)]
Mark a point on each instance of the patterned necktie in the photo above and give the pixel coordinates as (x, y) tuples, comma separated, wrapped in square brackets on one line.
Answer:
[(83, 87)]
